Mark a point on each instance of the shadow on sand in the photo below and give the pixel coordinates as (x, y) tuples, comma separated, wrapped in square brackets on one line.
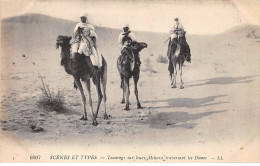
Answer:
[(188, 102), (166, 120), (224, 81)]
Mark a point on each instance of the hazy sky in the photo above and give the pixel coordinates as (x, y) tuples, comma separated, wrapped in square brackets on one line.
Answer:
[(197, 16)]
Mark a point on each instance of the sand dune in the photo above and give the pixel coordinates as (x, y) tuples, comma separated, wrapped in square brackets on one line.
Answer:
[(218, 109)]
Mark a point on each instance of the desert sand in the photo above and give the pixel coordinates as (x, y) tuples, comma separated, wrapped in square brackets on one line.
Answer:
[(216, 114)]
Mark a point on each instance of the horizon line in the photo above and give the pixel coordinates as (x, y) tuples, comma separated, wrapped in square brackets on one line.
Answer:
[(138, 30)]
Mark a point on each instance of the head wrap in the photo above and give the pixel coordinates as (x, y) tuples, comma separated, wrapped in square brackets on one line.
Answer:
[(84, 15), (125, 26)]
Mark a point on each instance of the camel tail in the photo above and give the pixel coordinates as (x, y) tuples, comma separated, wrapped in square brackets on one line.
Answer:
[(75, 85), (104, 78)]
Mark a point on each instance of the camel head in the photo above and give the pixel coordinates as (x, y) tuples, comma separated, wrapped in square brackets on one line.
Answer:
[(138, 46), (182, 33), (62, 41), (187, 55), (182, 37)]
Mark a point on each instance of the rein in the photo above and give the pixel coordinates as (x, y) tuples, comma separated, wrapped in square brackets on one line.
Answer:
[(82, 34)]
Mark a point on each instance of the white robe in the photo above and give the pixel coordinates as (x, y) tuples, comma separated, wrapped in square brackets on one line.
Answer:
[(86, 45), (175, 27), (121, 36)]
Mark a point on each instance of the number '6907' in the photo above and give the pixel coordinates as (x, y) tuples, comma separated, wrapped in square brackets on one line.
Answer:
[(35, 157)]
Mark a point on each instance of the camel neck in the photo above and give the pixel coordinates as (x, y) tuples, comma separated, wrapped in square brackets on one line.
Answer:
[(66, 50)]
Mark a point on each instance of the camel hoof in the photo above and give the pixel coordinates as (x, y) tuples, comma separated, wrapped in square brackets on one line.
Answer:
[(83, 118), (139, 106), (174, 86), (94, 123), (123, 102), (106, 116), (182, 87), (126, 109)]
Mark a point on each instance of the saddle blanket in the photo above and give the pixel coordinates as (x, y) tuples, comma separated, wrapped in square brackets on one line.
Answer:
[(92, 52)]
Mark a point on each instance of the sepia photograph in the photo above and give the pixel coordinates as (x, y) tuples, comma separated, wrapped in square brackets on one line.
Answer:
[(138, 81)]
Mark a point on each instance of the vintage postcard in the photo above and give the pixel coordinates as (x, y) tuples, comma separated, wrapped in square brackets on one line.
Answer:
[(141, 81)]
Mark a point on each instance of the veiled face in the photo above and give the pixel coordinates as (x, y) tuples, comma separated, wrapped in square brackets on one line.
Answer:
[(126, 29), (83, 19)]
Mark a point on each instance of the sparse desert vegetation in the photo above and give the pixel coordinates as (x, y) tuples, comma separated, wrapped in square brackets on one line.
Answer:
[(162, 59), (50, 100)]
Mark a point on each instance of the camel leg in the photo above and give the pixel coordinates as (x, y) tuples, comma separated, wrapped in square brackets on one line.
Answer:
[(180, 68), (104, 83), (136, 78), (174, 76), (79, 85), (171, 80), (100, 96), (123, 87), (127, 92), (90, 99), (170, 71), (123, 98)]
